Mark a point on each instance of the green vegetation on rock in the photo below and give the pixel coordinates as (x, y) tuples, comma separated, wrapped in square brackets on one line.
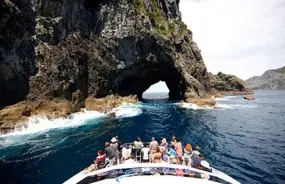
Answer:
[(161, 25)]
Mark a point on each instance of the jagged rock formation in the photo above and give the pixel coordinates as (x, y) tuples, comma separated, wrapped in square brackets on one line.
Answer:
[(51, 49), (270, 80), (229, 84)]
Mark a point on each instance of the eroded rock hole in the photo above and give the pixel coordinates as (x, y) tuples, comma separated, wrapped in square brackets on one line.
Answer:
[(137, 79)]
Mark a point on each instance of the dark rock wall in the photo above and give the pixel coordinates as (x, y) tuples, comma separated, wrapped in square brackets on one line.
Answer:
[(231, 83), (53, 48)]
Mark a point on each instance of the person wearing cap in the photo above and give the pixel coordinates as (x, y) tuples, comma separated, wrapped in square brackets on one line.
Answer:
[(114, 144), (204, 165), (164, 144)]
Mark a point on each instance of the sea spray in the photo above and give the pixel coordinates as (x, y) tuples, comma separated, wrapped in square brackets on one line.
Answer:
[(38, 124)]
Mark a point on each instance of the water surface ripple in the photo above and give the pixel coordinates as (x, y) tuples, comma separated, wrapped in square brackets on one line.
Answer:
[(241, 138)]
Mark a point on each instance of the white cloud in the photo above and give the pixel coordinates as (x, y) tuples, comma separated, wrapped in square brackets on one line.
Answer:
[(241, 37)]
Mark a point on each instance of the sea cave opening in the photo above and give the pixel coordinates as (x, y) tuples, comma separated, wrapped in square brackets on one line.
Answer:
[(157, 91), (137, 79)]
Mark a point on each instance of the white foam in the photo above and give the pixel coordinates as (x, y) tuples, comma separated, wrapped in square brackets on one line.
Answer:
[(127, 110), (41, 123), (38, 124), (192, 106)]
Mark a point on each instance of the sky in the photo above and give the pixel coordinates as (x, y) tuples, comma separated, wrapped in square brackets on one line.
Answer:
[(240, 37)]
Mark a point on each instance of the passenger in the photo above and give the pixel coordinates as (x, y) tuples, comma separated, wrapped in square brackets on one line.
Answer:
[(90, 169), (165, 158), (131, 160), (153, 145), (172, 152), (196, 150), (195, 161), (178, 149), (164, 144), (126, 153), (100, 160), (138, 144), (173, 161), (204, 165), (110, 153), (115, 146), (186, 162), (156, 157), (173, 140), (145, 153), (119, 142), (188, 152)]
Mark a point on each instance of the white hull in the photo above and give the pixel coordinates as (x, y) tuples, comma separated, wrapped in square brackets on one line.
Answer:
[(172, 179)]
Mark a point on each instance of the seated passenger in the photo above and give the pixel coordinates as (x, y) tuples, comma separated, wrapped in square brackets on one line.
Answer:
[(173, 161), (186, 162), (145, 153), (172, 152), (195, 162), (164, 144), (153, 145), (188, 152), (156, 157), (100, 160), (138, 144), (165, 158), (90, 169)]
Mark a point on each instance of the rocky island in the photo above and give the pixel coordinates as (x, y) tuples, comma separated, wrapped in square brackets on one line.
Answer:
[(57, 57)]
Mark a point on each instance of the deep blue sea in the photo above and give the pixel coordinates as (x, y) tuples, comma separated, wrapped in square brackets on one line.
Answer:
[(244, 139)]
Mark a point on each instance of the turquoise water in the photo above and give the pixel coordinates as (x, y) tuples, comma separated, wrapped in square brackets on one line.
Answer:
[(245, 139)]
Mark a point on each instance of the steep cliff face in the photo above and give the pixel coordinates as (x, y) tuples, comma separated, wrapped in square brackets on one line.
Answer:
[(51, 49)]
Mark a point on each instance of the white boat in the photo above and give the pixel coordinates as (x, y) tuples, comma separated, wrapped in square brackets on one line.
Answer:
[(151, 173)]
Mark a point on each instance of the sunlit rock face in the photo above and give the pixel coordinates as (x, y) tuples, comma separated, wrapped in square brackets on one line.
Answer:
[(52, 48)]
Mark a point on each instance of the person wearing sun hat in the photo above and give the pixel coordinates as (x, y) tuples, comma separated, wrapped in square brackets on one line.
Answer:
[(205, 166), (164, 144)]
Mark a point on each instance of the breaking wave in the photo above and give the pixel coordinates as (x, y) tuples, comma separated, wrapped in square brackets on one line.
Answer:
[(37, 124)]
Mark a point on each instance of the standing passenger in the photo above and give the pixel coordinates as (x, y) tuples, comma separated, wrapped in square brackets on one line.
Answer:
[(178, 149), (110, 153), (153, 145)]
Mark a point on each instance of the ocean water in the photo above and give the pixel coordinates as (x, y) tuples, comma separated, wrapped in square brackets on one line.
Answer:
[(244, 139)]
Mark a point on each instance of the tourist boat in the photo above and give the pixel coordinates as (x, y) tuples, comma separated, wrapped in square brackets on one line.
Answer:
[(151, 173)]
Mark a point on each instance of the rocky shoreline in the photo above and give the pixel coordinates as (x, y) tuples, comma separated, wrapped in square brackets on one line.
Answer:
[(18, 114)]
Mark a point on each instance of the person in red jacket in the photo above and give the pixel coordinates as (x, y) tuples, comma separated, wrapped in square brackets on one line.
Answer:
[(100, 160)]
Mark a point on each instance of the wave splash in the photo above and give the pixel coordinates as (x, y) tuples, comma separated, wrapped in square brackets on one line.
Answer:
[(38, 124)]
